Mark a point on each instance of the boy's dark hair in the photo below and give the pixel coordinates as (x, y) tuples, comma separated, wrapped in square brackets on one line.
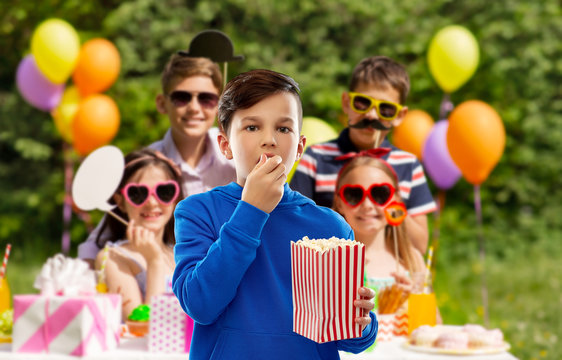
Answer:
[(182, 67), (134, 162), (381, 71), (247, 89)]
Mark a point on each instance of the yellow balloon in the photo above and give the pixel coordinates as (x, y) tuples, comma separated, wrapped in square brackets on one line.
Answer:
[(453, 57), (55, 45), (316, 131), (64, 113)]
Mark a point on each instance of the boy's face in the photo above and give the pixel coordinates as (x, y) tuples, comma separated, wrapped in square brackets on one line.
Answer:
[(270, 127), (366, 138), (193, 118)]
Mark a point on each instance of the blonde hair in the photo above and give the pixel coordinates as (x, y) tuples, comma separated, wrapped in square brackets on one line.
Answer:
[(405, 247)]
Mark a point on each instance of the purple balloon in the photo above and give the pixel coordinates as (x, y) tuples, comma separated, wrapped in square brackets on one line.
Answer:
[(35, 88), (436, 158)]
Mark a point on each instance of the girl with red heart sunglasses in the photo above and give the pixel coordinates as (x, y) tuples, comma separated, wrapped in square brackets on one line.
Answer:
[(139, 256), (365, 186)]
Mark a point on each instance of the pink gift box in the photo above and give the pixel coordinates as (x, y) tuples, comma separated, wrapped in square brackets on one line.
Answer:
[(325, 285), (170, 328), (72, 325)]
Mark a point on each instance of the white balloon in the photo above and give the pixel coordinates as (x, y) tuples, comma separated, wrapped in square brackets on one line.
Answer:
[(97, 178)]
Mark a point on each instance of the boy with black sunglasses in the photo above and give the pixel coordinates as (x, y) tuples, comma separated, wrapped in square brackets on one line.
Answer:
[(373, 106), (191, 87)]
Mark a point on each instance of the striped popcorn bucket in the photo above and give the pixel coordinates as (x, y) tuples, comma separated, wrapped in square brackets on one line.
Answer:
[(325, 284)]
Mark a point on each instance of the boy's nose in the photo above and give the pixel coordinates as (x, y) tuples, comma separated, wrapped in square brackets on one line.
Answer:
[(269, 138), (372, 114), (194, 105)]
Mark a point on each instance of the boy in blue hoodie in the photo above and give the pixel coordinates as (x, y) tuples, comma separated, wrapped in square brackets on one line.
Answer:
[(233, 262)]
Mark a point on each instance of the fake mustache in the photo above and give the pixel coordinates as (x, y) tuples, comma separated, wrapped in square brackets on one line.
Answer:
[(374, 123)]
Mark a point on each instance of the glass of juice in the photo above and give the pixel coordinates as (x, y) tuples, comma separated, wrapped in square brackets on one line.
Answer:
[(4, 295), (422, 305)]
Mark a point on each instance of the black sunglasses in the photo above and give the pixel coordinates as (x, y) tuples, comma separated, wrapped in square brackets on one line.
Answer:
[(206, 99)]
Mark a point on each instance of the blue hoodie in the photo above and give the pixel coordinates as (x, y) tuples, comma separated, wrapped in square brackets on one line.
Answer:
[(233, 275)]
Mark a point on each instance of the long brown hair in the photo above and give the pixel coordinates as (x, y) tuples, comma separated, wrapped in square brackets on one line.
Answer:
[(405, 247), (134, 162)]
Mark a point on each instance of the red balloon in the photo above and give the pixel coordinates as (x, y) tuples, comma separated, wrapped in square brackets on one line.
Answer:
[(95, 124)]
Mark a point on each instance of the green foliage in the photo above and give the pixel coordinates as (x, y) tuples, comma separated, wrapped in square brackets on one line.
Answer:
[(318, 43)]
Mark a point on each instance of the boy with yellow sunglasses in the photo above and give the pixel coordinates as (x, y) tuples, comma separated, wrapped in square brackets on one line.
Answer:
[(373, 105)]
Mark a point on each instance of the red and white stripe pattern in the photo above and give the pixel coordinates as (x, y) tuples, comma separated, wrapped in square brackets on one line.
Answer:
[(5, 261), (325, 284)]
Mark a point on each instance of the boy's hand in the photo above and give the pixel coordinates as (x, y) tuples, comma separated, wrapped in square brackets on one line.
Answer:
[(366, 303), (264, 184)]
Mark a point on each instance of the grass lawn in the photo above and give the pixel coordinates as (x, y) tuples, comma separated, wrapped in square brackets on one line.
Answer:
[(525, 300)]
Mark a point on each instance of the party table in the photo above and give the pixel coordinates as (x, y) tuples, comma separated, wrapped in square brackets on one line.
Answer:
[(137, 348)]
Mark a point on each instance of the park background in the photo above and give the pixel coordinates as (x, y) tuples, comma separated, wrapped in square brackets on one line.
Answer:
[(318, 43)]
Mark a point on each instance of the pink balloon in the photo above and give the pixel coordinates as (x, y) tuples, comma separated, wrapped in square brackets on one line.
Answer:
[(35, 88), (437, 161)]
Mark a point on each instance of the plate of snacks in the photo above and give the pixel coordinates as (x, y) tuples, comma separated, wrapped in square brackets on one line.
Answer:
[(470, 339)]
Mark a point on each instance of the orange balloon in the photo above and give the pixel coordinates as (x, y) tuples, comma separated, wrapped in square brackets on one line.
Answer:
[(97, 68), (95, 124), (476, 139), (411, 134)]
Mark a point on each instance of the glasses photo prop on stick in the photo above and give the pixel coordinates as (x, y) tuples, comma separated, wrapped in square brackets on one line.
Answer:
[(137, 194), (354, 194), (97, 179), (395, 213)]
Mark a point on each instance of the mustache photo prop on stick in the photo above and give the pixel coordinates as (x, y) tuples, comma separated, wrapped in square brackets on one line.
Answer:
[(366, 123)]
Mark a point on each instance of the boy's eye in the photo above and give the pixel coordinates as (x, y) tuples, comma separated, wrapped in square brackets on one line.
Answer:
[(251, 127), (284, 129)]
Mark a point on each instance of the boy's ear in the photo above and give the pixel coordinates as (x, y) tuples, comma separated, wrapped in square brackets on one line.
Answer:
[(345, 102), (224, 145), (396, 122), (161, 104), (300, 149)]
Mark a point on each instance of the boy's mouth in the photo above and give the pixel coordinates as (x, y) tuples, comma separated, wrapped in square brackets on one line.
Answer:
[(267, 155)]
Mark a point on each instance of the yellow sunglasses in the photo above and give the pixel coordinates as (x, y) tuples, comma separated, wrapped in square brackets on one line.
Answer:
[(362, 104)]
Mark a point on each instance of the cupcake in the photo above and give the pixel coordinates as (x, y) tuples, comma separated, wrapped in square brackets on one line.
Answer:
[(424, 335), (138, 320), (486, 339), (457, 340)]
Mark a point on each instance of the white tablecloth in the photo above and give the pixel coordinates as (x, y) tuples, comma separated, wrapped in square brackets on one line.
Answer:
[(394, 350), (137, 349)]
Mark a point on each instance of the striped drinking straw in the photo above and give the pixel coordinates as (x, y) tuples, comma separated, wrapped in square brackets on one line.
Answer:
[(428, 269), (5, 262), (102, 286)]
